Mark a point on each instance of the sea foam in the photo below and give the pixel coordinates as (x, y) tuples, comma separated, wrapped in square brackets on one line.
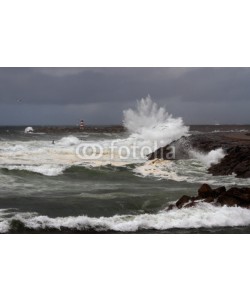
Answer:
[(213, 157), (203, 216), (29, 130), (69, 141)]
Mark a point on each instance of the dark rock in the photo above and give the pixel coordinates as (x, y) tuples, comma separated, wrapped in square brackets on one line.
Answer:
[(170, 207), (228, 201), (209, 200), (178, 149), (220, 196), (240, 193), (190, 204), (182, 201), (236, 161), (235, 196), (182, 146), (196, 198), (220, 190), (205, 191), (166, 153), (247, 174)]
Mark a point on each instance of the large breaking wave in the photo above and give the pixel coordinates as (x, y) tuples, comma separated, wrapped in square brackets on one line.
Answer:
[(150, 124), (203, 216)]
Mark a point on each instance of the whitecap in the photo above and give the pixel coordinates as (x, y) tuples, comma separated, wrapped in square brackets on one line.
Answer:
[(204, 215)]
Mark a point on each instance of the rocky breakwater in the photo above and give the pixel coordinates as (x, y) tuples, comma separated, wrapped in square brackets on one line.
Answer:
[(181, 149), (220, 196), (76, 129), (237, 161)]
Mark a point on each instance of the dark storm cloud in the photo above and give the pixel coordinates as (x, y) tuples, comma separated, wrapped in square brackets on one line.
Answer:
[(68, 86), (55, 95)]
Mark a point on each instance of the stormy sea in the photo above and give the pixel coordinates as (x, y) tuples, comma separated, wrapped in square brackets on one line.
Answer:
[(99, 179)]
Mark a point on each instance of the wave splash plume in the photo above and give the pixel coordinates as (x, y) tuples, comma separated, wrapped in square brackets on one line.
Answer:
[(151, 123)]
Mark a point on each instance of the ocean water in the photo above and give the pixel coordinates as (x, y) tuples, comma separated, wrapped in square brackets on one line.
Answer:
[(64, 187)]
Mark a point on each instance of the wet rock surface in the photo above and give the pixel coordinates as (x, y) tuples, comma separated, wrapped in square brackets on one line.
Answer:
[(176, 150), (220, 196), (237, 161), (236, 147), (180, 149)]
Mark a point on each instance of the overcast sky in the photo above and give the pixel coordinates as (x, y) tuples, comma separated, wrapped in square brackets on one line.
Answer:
[(60, 96)]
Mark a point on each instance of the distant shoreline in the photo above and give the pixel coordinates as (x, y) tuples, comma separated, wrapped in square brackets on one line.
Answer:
[(75, 129), (227, 131)]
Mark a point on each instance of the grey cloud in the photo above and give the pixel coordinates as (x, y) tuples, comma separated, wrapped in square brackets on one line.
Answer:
[(62, 95)]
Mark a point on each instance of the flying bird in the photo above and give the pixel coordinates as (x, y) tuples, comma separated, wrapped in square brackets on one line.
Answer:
[(19, 100)]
